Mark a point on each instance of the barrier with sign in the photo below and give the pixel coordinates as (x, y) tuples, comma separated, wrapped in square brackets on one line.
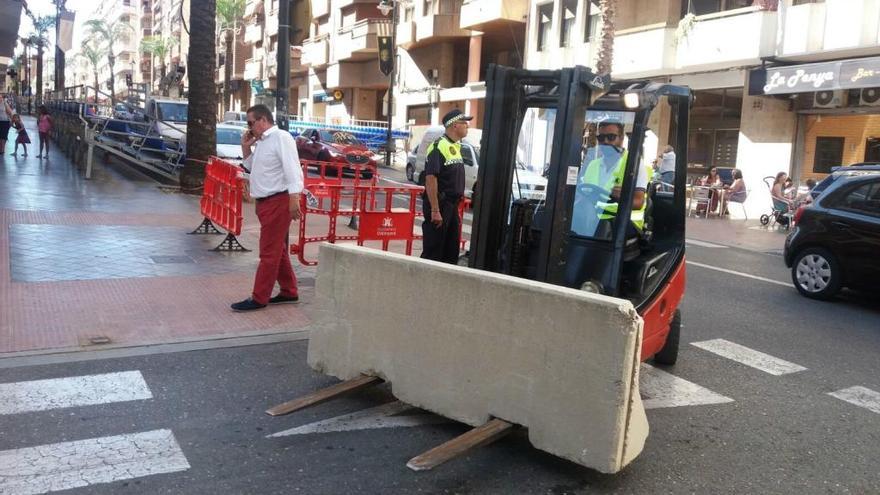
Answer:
[(221, 203), (382, 221)]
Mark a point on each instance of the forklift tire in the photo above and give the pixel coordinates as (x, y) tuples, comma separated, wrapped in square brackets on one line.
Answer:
[(668, 355)]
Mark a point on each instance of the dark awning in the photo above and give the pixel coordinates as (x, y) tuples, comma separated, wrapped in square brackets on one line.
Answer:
[(10, 12), (807, 78)]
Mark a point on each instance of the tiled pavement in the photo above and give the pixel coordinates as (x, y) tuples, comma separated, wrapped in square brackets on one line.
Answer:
[(108, 260)]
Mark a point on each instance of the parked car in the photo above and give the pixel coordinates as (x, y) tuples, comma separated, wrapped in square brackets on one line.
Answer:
[(836, 240), (229, 142), (526, 184), (847, 170), (330, 145), (237, 123)]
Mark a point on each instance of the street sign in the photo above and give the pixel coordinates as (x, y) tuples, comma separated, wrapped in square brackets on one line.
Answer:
[(386, 62)]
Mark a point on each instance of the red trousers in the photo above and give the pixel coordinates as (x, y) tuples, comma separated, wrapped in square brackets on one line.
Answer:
[(274, 216)]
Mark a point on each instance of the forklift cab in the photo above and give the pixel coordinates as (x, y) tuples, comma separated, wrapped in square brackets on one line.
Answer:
[(604, 226)]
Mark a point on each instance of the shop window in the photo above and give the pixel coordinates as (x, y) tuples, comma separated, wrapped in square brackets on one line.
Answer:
[(545, 20), (829, 153), (569, 9)]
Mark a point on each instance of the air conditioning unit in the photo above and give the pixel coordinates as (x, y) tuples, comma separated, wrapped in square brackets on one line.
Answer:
[(869, 97), (828, 99)]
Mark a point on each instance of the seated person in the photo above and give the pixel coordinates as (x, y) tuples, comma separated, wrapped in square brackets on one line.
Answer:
[(804, 197), (737, 191), (778, 189)]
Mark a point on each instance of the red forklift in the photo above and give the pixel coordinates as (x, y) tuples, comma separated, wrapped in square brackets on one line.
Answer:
[(569, 238)]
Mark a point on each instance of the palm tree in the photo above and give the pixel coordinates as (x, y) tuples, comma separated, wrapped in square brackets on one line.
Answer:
[(40, 39), (93, 53), (607, 12), (111, 33), (158, 47), (201, 126), (229, 15)]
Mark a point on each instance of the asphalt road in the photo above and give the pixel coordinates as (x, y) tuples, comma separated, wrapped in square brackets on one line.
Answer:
[(193, 421)]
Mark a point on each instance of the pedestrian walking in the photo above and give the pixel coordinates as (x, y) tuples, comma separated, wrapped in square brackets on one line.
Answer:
[(44, 127), (276, 183), (22, 138), (444, 190), (6, 113)]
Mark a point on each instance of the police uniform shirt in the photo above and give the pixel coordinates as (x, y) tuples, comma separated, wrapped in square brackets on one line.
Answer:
[(444, 162)]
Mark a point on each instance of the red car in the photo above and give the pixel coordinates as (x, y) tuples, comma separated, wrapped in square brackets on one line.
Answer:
[(330, 145)]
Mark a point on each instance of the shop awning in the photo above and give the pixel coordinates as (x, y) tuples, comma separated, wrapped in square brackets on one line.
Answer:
[(10, 12), (807, 78)]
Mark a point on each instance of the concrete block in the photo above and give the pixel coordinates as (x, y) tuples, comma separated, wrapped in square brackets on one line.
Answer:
[(474, 345)]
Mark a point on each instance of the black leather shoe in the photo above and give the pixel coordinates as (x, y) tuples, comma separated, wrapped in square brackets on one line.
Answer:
[(247, 305), (279, 299)]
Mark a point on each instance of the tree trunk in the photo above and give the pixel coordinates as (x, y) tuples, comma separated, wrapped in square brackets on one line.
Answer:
[(40, 74), (201, 127), (606, 47), (96, 87), (111, 61), (227, 70), (162, 83)]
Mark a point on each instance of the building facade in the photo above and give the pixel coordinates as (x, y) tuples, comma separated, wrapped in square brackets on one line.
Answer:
[(754, 66)]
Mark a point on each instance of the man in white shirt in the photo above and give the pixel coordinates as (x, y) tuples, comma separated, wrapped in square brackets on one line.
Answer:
[(276, 182)]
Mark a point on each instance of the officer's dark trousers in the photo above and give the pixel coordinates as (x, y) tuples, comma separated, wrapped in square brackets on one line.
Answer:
[(441, 243)]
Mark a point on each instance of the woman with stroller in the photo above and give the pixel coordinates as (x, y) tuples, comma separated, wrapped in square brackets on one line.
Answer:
[(778, 189)]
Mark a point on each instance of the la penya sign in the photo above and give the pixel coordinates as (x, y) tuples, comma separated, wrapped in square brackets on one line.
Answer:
[(847, 74)]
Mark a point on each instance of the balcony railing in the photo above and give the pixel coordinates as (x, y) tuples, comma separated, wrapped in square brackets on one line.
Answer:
[(734, 36), (272, 23), (316, 51), (360, 39), (253, 70), (253, 33), (439, 26), (475, 14)]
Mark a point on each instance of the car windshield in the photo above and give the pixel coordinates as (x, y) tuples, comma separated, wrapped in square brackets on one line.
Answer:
[(172, 112), (229, 136), (339, 137)]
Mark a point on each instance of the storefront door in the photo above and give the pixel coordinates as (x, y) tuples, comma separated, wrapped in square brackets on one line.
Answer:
[(872, 150)]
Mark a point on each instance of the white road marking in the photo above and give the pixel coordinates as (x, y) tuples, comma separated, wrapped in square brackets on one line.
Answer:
[(384, 416), (859, 396), (739, 274), (61, 466), (56, 393), (407, 183), (749, 357), (661, 389), (705, 244)]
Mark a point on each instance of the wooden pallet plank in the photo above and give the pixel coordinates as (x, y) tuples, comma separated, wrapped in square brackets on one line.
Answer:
[(479, 436), (324, 395)]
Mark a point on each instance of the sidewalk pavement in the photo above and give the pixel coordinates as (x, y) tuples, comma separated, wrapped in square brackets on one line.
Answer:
[(744, 234)]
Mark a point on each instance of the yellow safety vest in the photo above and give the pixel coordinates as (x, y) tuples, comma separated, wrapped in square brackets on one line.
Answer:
[(609, 210), (450, 151)]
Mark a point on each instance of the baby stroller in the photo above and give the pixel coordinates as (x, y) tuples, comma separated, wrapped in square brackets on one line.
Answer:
[(783, 209)]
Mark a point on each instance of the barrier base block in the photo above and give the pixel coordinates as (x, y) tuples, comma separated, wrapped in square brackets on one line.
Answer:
[(206, 227), (231, 244)]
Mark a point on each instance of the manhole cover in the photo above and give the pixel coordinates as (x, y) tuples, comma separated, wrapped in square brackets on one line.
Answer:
[(171, 259)]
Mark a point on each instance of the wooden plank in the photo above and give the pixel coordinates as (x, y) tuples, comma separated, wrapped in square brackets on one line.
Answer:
[(325, 394), (482, 435)]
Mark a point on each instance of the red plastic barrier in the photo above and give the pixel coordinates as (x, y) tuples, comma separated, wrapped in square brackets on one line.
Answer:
[(222, 197), (386, 222)]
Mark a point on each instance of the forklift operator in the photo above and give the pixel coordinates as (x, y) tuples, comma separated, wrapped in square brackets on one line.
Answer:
[(604, 170), (444, 190)]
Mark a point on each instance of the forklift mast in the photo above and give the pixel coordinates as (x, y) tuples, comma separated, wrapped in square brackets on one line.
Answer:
[(502, 232)]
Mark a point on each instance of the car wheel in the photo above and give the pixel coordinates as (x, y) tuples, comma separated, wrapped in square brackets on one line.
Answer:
[(668, 355), (816, 273), (765, 219), (410, 172)]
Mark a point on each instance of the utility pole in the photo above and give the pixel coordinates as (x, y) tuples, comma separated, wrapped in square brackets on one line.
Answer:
[(389, 7), (282, 66), (59, 53)]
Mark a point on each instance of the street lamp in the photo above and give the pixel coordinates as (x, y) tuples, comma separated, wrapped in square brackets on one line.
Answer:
[(390, 7)]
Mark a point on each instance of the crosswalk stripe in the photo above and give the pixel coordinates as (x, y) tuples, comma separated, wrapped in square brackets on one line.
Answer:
[(56, 393), (61, 466), (749, 357), (859, 396), (661, 389), (739, 274), (384, 416)]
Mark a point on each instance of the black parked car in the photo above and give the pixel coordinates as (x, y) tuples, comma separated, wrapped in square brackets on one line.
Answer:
[(843, 171), (836, 241)]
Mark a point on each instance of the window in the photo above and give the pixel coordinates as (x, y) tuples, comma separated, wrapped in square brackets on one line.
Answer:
[(545, 20), (703, 7), (569, 9), (863, 199), (427, 7), (591, 20), (408, 13), (829, 153)]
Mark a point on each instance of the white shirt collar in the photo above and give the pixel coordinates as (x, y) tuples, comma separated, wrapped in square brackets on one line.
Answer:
[(268, 132)]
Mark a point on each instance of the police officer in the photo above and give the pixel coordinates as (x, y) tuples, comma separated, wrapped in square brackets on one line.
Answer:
[(444, 190), (606, 171)]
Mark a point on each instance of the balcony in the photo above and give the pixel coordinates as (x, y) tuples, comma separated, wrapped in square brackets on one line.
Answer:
[(272, 23), (320, 8), (816, 27), (439, 26), (643, 51), (406, 34), (360, 40), (478, 14), (740, 36), (355, 75), (253, 33), (252, 7), (253, 70), (316, 51), (271, 63)]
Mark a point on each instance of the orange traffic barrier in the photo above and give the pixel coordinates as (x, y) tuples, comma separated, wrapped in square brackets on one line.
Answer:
[(221, 203)]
